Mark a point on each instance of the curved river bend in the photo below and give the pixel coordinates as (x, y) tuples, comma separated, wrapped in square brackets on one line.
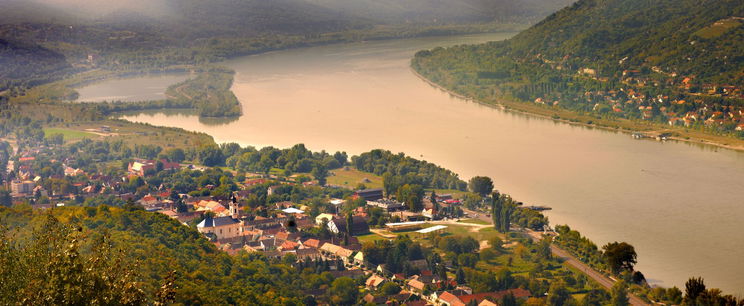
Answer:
[(680, 205)]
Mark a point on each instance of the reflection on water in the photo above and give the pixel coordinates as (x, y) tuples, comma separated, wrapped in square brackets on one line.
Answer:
[(179, 112), (680, 205)]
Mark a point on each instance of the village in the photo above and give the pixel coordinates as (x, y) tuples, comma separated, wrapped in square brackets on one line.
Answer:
[(332, 237), (656, 95)]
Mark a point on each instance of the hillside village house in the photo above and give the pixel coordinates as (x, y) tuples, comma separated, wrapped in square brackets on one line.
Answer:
[(324, 217), (141, 166)]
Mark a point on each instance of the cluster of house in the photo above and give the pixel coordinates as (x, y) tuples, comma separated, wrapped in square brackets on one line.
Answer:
[(427, 289), (26, 183), (621, 101)]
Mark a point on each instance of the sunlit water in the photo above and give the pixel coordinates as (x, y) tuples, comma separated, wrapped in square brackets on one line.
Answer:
[(680, 205)]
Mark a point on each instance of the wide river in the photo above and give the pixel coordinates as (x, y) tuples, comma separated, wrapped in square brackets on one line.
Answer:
[(680, 205)]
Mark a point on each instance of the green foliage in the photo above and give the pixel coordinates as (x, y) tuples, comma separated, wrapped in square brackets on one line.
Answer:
[(481, 185), (411, 195), (619, 294), (558, 295), (390, 288), (209, 93), (620, 256), (580, 246), (399, 169), (54, 267), (344, 291), (502, 208), (458, 245), (150, 244)]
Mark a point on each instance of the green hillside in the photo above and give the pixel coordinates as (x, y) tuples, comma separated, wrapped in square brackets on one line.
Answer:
[(128, 254), (611, 57)]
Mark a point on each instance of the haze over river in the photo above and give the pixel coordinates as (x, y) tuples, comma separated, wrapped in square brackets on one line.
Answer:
[(680, 205)]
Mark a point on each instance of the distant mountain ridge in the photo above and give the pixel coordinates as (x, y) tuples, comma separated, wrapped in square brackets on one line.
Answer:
[(137, 32)]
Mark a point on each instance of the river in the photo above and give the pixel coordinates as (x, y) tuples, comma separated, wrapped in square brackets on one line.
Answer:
[(679, 204)]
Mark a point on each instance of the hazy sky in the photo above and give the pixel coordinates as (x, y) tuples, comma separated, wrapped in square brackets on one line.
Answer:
[(98, 8)]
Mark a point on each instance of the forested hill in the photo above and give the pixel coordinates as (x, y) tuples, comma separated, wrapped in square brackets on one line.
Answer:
[(677, 62), (691, 37), (125, 256)]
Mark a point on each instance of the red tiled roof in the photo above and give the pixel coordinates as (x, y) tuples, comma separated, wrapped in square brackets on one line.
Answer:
[(451, 299), (518, 293)]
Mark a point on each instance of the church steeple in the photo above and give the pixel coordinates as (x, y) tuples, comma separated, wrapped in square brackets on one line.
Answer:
[(234, 208)]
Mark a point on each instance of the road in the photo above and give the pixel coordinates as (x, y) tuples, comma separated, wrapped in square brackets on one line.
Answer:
[(571, 260), (589, 271)]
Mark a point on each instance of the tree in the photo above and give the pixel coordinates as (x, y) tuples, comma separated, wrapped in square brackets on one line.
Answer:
[(460, 276), (344, 291), (619, 256), (558, 294), (53, 269), (596, 297), (210, 155), (481, 185), (509, 300), (412, 196), (674, 295), (320, 173), (694, 287), (619, 294), (390, 288), (502, 207), (543, 248), (175, 155)]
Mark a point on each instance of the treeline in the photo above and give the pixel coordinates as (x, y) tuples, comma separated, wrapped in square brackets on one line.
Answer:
[(398, 170)]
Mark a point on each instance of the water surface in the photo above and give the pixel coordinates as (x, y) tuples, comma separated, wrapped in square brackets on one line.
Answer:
[(130, 89), (680, 205)]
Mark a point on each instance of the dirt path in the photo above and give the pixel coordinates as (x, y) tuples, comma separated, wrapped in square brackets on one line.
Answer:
[(382, 233)]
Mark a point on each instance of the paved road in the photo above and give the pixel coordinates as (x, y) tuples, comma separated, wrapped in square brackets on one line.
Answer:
[(571, 260)]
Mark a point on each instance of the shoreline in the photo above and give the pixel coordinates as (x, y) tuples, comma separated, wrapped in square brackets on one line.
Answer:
[(514, 107)]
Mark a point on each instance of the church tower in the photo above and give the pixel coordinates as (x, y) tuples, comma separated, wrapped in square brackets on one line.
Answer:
[(234, 208)]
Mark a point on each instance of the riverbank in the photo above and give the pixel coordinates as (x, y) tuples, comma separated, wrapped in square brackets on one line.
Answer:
[(649, 129)]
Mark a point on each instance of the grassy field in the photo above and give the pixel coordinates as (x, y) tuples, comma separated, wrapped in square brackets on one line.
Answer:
[(69, 135), (718, 28), (371, 237), (457, 194), (352, 177), (135, 133)]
